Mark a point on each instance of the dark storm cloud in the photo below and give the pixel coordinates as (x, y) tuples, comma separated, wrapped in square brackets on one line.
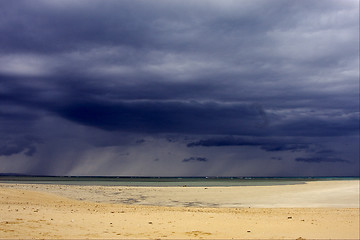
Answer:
[(192, 117), (285, 147), (117, 109), (181, 117), (261, 71), (270, 145), (10, 113), (224, 141), (319, 159), (25, 145), (150, 116), (195, 159), (330, 125)]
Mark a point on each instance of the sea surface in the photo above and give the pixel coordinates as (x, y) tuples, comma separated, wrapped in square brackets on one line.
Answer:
[(166, 181)]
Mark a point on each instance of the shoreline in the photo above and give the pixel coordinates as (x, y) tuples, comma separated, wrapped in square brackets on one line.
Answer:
[(30, 212), (341, 194)]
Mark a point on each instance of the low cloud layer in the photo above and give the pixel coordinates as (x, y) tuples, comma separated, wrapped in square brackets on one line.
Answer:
[(269, 144), (195, 159), (318, 160)]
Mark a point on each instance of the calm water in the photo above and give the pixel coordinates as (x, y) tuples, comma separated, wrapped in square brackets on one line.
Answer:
[(166, 181)]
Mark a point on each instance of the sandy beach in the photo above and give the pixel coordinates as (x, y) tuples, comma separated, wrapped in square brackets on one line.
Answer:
[(315, 210)]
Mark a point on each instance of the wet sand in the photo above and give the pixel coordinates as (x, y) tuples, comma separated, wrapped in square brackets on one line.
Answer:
[(316, 210)]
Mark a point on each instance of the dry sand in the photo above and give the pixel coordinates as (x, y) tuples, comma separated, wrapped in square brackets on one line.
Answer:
[(316, 210)]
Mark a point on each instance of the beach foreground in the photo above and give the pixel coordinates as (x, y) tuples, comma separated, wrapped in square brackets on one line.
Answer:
[(38, 211)]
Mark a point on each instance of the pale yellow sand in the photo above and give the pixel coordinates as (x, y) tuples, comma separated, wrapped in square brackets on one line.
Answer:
[(318, 210)]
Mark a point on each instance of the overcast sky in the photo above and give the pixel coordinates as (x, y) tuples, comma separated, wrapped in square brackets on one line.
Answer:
[(179, 88)]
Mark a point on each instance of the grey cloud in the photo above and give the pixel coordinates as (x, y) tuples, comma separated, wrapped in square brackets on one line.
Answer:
[(25, 144), (31, 150), (195, 159), (171, 139), (326, 152), (320, 159), (140, 141), (223, 141), (321, 126), (285, 147), (269, 144)]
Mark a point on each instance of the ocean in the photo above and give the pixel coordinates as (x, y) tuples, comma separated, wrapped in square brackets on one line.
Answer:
[(165, 181)]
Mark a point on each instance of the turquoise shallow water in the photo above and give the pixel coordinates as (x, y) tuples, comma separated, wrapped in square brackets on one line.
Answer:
[(167, 181)]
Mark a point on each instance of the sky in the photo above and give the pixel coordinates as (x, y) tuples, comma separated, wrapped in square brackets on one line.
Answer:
[(179, 88)]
